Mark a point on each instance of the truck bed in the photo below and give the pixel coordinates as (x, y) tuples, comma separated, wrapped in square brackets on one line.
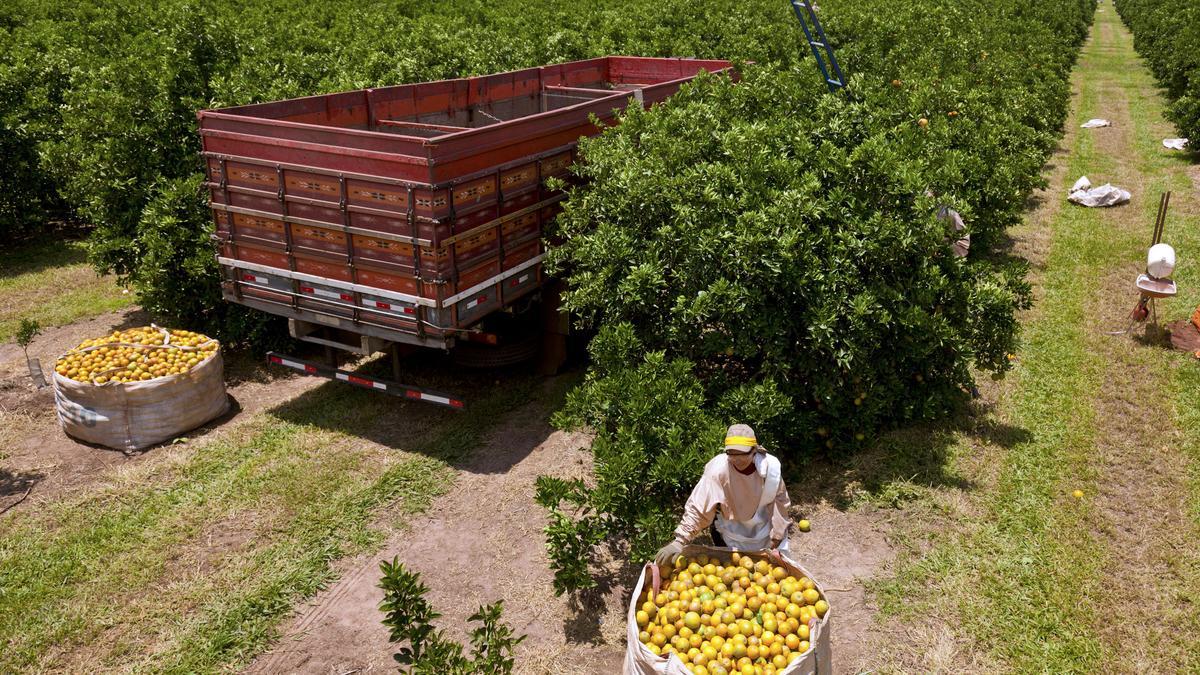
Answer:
[(408, 213)]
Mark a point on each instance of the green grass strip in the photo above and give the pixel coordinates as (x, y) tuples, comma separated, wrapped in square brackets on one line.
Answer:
[(52, 283), (1021, 576), (1026, 577), (100, 571)]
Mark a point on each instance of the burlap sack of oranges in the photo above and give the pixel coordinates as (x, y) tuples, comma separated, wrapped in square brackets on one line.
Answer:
[(138, 387), (722, 612)]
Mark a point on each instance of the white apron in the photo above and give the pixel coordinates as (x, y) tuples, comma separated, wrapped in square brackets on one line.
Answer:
[(755, 534)]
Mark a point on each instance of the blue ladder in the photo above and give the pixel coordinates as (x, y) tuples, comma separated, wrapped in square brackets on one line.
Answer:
[(805, 13)]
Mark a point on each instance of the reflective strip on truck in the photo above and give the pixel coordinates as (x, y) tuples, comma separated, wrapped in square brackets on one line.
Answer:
[(379, 304), (304, 368), (366, 381), (434, 399), (332, 283), (321, 292), (494, 280), (361, 381)]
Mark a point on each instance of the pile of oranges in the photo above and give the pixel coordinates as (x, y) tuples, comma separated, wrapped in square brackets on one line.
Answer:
[(748, 617), (136, 355)]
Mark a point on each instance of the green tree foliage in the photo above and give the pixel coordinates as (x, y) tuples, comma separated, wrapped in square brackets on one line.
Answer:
[(34, 75), (28, 330), (425, 650), (1167, 34), (98, 100), (764, 252)]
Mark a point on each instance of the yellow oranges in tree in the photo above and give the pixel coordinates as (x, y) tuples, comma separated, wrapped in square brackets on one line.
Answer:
[(747, 615), (136, 355)]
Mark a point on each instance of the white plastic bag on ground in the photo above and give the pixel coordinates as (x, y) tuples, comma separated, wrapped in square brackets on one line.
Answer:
[(1084, 194), (1175, 143), (818, 660), (135, 415), (1095, 124)]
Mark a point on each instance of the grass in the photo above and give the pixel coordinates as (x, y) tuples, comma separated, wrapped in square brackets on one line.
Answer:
[(1029, 579), (52, 283), (188, 563)]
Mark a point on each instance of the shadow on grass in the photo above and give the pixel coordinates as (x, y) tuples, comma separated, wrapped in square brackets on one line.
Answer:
[(34, 257), (586, 607), (1186, 157), (243, 366), (17, 482), (903, 464), (134, 318), (443, 433), (1153, 335)]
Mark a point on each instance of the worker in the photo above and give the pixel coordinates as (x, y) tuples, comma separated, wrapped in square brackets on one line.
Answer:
[(741, 498)]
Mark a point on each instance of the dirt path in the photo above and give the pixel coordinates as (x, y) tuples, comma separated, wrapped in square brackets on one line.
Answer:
[(1141, 510), (1088, 410), (483, 542), (846, 549), (480, 543), (36, 456)]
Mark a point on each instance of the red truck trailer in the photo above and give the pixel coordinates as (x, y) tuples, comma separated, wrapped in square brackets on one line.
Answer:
[(408, 214)]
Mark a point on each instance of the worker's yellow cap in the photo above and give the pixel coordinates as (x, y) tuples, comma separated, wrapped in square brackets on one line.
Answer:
[(740, 438)]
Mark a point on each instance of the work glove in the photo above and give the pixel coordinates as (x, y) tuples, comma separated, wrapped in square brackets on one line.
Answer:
[(666, 555)]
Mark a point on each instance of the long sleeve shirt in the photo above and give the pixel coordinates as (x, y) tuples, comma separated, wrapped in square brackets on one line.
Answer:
[(737, 495)]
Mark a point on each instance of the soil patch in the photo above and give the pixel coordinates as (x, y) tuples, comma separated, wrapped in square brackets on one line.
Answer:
[(843, 550), (1184, 336), (35, 452), (480, 543)]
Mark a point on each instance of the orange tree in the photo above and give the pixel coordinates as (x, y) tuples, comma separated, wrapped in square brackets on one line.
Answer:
[(98, 101), (1167, 33), (424, 649), (98, 98), (766, 252)]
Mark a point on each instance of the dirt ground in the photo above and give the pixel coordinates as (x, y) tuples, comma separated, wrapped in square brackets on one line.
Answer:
[(483, 542), (480, 543), (38, 460), (462, 554)]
